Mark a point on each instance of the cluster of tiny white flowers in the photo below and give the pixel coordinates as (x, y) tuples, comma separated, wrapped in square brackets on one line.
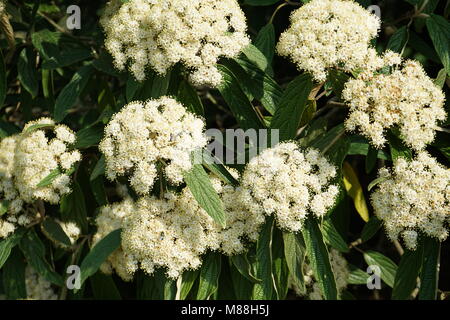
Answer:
[(290, 184), (160, 34), (37, 287), (340, 271), (328, 34), (15, 215), (111, 218), (174, 232), (406, 98), (413, 197), (145, 135), (36, 157)]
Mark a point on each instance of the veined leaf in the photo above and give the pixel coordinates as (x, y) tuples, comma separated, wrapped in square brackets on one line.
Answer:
[(55, 233), (332, 236), (27, 71), (6, 245), (70, 93), (104, 288), (398, 40), (238, 102), (407, 273), (190, 99), (263, 264), (265, 41), (429, 277), (49, 178), (244, 267), (370, 228), (209, 276), (387, 266), (187, 282), (294, 252), (98, 254), (439, 30), (293, 103), (73, 207), (318, 257), (14, 277)]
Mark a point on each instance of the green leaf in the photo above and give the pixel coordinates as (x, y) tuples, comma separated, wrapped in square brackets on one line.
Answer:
[(189, 98), (429, 277), (244, 267), (318, 257), (14, 277), (214, 165), (407, 273), (263, 264), (439, 30), (371, 159), (104, 288), (440, 79), (370, 228), (357, 276), (4, 204), (209, 276), (332, 236), (27, 71), (66, 58), (398, 148), (153, 87), (38, 126), (99, 169), (73, 207), (337, 81), (55, 232), (265, 41), (55, 173), (398, 40), (387, 266), (89, 137), (294, 252), (6, 245), (187, 282), (70, 93), (238, 102), (291, 107), (258, 83), (280, 268), (34, 251), (3, 85), (242, 287), (98, 254), (255, 56), (199, 184)]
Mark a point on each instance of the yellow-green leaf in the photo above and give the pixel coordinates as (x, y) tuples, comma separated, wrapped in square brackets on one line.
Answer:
[(355, 191)]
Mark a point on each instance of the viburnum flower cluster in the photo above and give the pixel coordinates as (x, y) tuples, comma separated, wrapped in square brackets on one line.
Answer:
[(146, 136), (174, 231), (414, 198), (25, 160), (161, 34), (289, 183), (405, 98), (328, 34)]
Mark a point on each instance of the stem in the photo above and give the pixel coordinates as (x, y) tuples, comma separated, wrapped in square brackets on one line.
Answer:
[(276, 11)]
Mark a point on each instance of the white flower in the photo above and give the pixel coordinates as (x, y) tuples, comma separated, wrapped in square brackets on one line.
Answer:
[(71, 229), (35, 157), (415, 197), (146, 135), (290, 184), (328, 34), (406, 98), (161, 34)]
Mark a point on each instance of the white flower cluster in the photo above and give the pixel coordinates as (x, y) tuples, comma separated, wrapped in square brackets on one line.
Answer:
[(14, 215), (37, 287), (174, 232), (328, 34), (160, 34), (71, 229), (414, 197), (146, 135), (26, 159), (36, 157), (340, 272), (406, 98), (290, 184)]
